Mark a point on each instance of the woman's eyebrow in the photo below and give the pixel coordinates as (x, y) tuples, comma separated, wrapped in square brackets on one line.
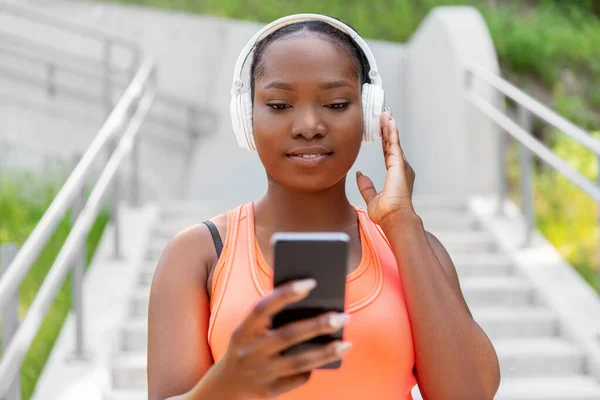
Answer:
[(334, 84), (279, 85), (323, 85)]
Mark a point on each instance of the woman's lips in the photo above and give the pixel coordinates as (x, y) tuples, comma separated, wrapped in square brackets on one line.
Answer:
[(309, 159)]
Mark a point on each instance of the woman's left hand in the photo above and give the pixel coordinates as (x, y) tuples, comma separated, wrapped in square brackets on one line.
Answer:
[(396, 195)]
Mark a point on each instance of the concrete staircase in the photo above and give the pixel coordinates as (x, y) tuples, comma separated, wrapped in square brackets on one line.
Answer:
[(537, 362)]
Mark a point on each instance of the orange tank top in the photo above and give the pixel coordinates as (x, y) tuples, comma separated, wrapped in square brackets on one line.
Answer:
[(380, 363)]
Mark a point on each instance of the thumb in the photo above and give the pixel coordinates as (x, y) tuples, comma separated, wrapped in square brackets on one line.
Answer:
[(365, 187)]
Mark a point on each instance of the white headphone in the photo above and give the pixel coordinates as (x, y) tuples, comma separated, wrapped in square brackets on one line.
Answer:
[(241, 103)]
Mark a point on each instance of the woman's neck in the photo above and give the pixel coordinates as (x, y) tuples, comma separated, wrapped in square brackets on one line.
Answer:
[(283, 209)]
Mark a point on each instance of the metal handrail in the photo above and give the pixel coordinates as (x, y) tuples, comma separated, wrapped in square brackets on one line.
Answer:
[(545, 113), (34, 244), (529, 145), (141, 91)]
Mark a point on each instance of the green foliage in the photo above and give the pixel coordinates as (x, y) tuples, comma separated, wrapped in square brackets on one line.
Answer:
[(23, 201), (568, 217)]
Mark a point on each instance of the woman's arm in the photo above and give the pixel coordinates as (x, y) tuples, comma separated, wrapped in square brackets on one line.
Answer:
[(178, 351), (454, 357)]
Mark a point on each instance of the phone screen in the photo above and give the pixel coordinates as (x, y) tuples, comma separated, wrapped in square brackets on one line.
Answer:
[(322, 256)]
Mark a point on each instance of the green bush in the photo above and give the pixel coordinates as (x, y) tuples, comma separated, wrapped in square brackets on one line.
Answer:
[(23, 201)]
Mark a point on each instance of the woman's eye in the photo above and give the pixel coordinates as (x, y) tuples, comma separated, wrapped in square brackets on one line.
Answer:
[(337, 106), (279, 106)]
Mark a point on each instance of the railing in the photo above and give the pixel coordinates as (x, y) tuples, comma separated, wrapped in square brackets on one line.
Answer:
[(118, 137), (129, 114), (528, 144)]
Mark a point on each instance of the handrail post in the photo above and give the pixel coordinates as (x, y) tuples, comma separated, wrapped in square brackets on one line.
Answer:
[(526, 162), (78, 273), (51, 80), (192, 118), (107, 86), (135, 175), (502, 179), (134, 190), (115, 202), (10, 318)]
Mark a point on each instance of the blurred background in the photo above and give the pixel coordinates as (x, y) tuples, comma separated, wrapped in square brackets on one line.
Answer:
[(134, 95)]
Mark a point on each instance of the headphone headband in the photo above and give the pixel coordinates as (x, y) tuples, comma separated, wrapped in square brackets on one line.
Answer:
[(292, 19)]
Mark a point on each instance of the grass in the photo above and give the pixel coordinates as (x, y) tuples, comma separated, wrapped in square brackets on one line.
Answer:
[(23, 201)]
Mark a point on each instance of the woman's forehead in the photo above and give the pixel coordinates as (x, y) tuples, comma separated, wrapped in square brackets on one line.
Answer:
[(302, 57)]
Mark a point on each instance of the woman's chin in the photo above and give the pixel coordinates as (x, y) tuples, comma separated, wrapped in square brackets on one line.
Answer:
[(311, 184)]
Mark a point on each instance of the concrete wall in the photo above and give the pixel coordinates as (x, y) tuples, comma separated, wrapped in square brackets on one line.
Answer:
[(449, 145)]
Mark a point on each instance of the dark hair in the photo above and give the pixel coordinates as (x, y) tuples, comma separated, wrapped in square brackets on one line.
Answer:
[(322, 29)]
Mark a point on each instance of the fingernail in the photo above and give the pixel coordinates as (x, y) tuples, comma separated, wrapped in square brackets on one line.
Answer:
[(342, 347), (358, 173), (336, 321), (304, 286), (388, 111)]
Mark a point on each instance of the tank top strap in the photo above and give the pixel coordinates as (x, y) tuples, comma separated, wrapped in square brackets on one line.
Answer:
[(223, 266)]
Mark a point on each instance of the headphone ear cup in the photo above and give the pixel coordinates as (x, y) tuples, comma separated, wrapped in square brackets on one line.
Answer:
[(237, 122), (372, 97), (246, 116), (366, 88), (376, 101)]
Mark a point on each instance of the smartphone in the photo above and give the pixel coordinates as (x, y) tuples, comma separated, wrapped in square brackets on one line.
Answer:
[(322, 256)]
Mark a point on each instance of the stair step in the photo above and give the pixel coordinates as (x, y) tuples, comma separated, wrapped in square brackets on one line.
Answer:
[(423, 203), (163, 231), (507, 323), (129, 372), (134, 335), (576, 387), (146, 276), (538, 357), (435, 220), (126, 395), (496, 291), (482, 264), (189, 210), (467, 241), (139, 302)]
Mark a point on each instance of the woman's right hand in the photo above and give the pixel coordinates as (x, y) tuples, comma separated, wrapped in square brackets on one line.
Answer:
[(253, 366)]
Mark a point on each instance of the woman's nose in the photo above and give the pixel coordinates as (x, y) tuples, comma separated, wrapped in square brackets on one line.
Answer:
[(308, 124)]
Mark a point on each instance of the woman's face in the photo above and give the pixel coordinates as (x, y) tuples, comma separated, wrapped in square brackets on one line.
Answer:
[(307, 114)]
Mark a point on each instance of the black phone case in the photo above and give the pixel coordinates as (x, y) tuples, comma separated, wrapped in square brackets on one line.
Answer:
[(323, 257)]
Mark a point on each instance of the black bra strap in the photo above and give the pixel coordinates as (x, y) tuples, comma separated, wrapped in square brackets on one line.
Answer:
[(214, 232)]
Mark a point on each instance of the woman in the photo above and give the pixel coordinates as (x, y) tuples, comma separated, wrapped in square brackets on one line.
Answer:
[(406, 320)]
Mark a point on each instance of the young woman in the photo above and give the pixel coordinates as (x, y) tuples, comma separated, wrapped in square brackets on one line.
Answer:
[(406, 320)]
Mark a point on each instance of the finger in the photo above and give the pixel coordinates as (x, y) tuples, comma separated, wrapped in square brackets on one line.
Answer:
[(393, 150), (365, 187), (384, 119), (308, 360), (274, 302), (301, 331), (288, 384)]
